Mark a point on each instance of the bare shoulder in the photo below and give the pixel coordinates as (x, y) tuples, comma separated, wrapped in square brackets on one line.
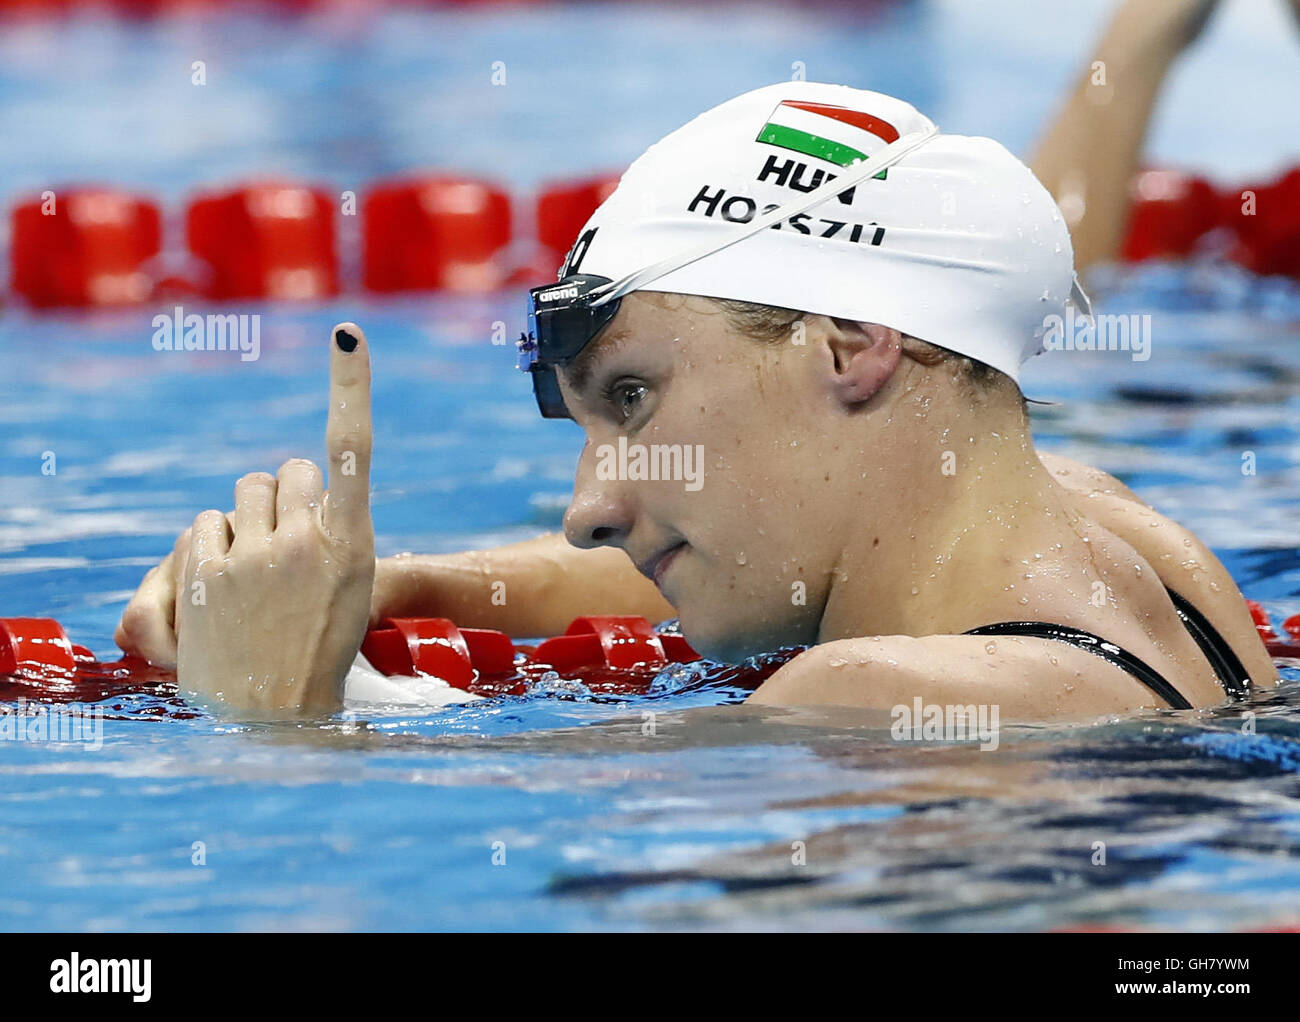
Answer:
[(1182, 561), (1025, 678), (1029, 678)]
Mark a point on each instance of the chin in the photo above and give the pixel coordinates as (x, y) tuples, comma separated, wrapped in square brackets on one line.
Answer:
[(715, 641)]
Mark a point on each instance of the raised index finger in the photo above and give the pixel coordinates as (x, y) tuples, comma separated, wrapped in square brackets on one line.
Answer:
[(348, 433)]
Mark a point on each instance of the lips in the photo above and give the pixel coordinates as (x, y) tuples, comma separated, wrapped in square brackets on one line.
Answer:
[(655, 567)]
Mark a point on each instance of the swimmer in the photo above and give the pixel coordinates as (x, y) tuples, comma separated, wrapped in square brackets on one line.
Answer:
[(1091, 151), (831, 301)]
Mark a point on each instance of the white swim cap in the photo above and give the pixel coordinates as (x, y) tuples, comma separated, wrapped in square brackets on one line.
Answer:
[(954, 242)]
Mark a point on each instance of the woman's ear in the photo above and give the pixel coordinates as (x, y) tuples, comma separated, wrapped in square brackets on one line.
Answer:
[(861, 357)]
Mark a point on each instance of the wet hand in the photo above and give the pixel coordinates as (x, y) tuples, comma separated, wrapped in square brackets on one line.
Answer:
[(272, 601), (147, 628)]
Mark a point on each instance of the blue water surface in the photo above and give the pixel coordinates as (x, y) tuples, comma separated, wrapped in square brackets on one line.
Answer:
[(541, 812)]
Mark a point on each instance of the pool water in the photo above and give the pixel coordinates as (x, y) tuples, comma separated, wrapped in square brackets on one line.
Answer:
[(679, 809)]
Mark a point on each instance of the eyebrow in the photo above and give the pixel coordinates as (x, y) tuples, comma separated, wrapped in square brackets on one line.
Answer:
[(589, 361)]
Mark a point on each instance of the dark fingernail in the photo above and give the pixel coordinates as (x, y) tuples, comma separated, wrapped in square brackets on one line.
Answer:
[(345, 340)]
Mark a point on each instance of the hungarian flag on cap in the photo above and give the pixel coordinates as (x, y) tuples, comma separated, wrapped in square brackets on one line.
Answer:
[(832, 133)]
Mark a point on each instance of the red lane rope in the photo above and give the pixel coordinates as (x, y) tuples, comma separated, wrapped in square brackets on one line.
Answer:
[(277, 239)]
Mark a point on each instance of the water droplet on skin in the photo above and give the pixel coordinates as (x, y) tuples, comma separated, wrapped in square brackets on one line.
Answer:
[(990, 647), (836, 662), (915, 590), (740, 558), (1024, 600), (1054, 662), (1138, 568), (892, 662)]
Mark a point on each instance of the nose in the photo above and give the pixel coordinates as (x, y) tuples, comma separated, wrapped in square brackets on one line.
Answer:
[(601, 512)]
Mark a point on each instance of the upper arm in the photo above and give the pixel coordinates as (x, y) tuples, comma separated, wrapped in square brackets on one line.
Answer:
[(1179, 557)]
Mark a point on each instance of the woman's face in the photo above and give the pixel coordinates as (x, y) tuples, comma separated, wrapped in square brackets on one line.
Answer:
[(740, 524)]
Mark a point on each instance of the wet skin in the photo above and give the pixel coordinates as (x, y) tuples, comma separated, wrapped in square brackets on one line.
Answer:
[(855, 498), (858, 499)]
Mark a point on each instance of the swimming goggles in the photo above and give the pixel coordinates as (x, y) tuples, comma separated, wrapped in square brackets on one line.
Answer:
[(562, 321)]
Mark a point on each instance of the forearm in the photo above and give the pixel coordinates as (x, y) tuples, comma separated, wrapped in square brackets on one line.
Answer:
[(1091, 152), (527, 589)]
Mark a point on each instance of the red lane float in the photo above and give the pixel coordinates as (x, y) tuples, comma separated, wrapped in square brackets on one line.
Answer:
[(276, 240), (436, 647), (1277, 647), (1171, 211), (1267, 224), (265, 240), (562, 210), (435, 233), (84, 247), (609, 655), (39, 662)]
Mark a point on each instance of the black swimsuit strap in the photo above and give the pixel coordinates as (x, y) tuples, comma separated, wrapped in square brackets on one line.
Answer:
[(1232, 675), (1096, 645)]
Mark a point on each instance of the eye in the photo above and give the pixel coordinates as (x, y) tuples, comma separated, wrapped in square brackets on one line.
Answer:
[(626, 397)]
